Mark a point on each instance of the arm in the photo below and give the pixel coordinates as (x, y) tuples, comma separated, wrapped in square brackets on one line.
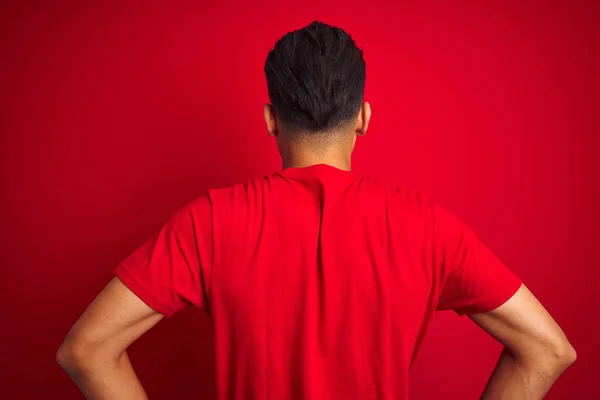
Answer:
[(536, 351), (93, 353), (162, 277), (474, 281)]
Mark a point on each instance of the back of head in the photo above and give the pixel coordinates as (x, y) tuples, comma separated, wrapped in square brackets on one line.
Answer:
[(316, 79)]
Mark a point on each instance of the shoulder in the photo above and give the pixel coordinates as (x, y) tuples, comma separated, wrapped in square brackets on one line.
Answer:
[(236, 198), (399, 196), (240, 190)]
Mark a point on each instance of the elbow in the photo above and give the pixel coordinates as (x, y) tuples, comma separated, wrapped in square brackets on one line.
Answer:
[(69, 358), (565, 355), (80, 357), (553, 360), (74, 358)]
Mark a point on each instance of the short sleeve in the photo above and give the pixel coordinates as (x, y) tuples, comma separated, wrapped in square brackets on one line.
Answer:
[(473, 279), (171, 270)]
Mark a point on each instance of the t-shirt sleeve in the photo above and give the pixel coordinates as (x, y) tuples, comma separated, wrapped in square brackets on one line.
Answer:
[(171, 270), (472, 278)]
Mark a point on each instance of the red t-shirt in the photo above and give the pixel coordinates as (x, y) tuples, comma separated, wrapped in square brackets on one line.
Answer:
[(320, 282)]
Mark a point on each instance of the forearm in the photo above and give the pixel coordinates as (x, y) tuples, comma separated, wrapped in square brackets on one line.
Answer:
[(114, 380), (516, 379)]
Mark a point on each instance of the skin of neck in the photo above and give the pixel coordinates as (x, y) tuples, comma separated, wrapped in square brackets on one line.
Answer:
[(331, 148), (303, 149)]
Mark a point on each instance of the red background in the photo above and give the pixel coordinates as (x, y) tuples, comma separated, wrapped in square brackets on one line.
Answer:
[(113, 116)]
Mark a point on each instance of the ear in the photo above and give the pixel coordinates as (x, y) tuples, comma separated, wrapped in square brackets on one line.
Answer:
[(270, 120), (364, 116)]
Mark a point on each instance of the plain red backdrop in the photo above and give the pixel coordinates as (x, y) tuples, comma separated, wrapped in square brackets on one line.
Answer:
[(114, 115)]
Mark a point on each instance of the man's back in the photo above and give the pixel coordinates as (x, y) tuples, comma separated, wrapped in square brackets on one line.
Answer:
[(315, 296), (320, 282)]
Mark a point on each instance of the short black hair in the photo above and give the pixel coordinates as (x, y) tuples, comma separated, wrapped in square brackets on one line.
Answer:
[(316, 78)]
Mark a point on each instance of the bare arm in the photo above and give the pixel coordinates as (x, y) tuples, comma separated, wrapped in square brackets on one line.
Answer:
[(93, 353), (536, 351)]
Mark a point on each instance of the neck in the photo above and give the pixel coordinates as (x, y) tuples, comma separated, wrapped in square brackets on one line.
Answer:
[(304, 153), (307, 162)]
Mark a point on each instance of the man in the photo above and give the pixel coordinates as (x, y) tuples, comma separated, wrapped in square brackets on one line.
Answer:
[(320, 282)]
